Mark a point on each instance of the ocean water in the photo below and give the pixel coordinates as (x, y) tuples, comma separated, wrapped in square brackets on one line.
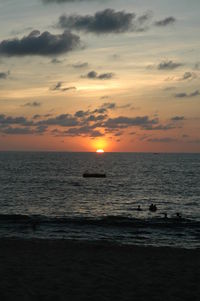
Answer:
[(44, 195)]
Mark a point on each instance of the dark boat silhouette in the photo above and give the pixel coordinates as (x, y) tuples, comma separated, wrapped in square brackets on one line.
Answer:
[(94, 175)]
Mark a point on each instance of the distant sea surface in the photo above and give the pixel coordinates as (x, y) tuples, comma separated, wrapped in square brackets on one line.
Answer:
[(44, 195)]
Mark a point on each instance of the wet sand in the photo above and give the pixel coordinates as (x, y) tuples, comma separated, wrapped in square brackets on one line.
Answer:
[(66, 270)]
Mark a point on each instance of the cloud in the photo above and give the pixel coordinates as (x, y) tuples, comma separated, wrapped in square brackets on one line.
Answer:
[(36, 43), (4, 75), (105, 22), (196, 141), (181, 95), (64, 120), (105, 107), (80, 65), (10, 130), (96, 117), (37, 116), (159, 127), (8, 120), (188, 76), (125, 122), (165, 22), (95, 75), (58, 87), (90, 123), (101, 110), (17, 131), (170, 88), (104, 97), (32, 104), (168, 65), (83, 131), (162, 140), (177, 118), (197, 66), (56, 61), (185, 95)]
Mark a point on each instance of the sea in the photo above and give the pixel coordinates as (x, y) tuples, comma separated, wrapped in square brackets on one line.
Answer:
[(44, 195)]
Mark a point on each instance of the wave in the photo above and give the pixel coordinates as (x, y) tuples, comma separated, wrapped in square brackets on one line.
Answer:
[(106, 221)]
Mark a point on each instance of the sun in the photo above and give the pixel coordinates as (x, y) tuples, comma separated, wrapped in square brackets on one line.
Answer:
[(99, 151)]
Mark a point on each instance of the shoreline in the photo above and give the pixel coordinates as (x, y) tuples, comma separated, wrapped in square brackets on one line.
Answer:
[(92, 243), (72, 270)]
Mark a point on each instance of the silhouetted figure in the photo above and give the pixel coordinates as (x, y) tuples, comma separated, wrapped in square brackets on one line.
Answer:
[(165, 215), (178, 215), (139, 208), (153, 208)]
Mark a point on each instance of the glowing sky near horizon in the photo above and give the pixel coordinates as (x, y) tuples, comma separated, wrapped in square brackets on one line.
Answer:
[(117, 75)]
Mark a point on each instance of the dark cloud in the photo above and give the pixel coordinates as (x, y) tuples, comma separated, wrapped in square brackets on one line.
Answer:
[(4, 75), (188, 76), (159, 127), (8, 120), (96, 117), (32, 104), (64, 120), (90, 123), (56, 61), (83, 131), (195, 93), (181, 95), (197, 66), (165, 22), (37, 116), (92, 115), (80, 65), (196, 141), (118, 134), (104, 97), (125, 122), (37, 43), (95, 75), (177, 118), (10, 130), (81, 114), (162, 140), (17, 131), (59, 87), (105, 107), (168, 65), (41, 129), (185, 95), (169, 88), (105, 22)]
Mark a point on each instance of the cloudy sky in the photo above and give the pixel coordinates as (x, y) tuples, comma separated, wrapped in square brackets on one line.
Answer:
[(77, 75)]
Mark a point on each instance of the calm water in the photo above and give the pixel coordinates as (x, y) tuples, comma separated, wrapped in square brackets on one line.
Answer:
[(44, 195)]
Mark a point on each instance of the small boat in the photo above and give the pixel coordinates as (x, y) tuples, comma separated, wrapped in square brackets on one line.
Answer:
[(94, 175)]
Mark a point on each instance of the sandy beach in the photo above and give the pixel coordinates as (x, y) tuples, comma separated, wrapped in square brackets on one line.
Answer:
[(67, 270)]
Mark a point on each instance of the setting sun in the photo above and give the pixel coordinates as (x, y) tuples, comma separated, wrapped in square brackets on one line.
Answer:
[(100, 151)]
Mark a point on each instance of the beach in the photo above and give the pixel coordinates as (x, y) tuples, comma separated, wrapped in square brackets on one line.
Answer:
[(71, 270)]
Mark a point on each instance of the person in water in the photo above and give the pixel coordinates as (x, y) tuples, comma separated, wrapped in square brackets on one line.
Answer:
[(152, 208), (178, 215), (139, 208)]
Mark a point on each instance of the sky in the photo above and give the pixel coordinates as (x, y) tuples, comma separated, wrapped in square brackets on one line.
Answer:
[(78, 75)]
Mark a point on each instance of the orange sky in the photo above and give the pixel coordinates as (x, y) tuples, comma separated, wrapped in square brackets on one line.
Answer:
[(132, 86)]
